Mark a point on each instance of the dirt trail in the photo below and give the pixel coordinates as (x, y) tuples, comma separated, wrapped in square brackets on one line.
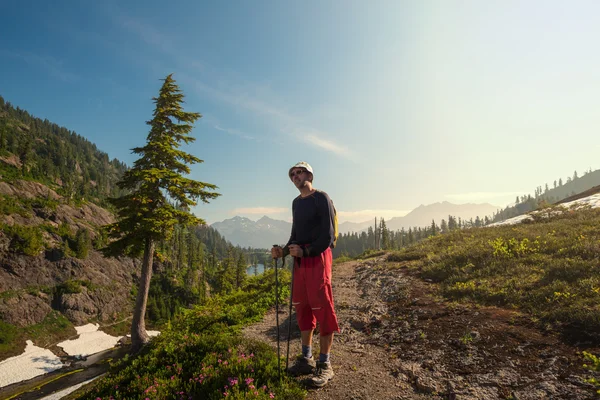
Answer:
[(398, 340)]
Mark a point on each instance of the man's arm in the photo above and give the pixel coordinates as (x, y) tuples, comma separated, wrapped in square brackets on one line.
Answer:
[(323, 241)]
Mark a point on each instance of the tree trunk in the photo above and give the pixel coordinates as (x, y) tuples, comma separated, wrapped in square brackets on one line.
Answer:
[(139, 337)]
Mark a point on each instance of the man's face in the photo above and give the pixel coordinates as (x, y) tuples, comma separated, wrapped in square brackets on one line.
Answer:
[(299, 176)]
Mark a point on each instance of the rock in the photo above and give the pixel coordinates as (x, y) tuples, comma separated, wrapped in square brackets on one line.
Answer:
[(99, 304), (24, 309)]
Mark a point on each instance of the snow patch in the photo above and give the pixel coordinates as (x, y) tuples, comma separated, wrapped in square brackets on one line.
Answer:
[(90, 341), (592, 201), (33, 362)]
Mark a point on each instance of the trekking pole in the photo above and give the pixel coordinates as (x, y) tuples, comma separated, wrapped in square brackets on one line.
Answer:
[(277, 319), (287, 355)]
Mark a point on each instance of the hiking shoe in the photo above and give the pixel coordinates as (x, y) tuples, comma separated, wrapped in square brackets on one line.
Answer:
[(323, 374), (302, 366)]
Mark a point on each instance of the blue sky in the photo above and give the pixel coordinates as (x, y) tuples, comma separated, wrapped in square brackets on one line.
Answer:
[(394, 104)]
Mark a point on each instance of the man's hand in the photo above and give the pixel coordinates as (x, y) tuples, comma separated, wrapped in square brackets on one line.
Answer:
[(296, 251), (276, 252)]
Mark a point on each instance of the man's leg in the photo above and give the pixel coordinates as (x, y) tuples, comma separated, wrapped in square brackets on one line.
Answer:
[(306, 337), (325, 313), (325, 343), (306, 322)]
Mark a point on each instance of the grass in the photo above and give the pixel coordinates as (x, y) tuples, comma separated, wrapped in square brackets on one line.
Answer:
[(549, 268), (202, 354), (341, 259), (54, 328)]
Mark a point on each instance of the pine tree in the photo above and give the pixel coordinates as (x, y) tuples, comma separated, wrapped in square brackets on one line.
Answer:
[(385, 235), (443, 226), (240, 273), (433, 228), (83, 243), (144, 214)]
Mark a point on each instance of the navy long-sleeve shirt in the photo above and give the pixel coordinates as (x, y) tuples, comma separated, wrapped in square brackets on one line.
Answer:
[(312, 223)]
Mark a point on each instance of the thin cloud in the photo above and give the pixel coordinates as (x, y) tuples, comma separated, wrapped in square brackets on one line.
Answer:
[(247, 96), (259, 210), (52, 65), (146, 32), (328, 145), (480, 196), (234, 132)]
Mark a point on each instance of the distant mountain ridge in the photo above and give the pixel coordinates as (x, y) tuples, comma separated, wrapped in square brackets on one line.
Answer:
[(424, 214), (267, 231), (263, 233)]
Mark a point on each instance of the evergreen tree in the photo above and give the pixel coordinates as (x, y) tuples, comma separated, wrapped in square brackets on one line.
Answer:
[(451, 223), (83, 243), (240, 273), (145, 214), (443, 226), (385, 235)]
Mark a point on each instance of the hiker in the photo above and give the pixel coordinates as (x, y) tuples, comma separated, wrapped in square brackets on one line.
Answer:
[(309, 244)]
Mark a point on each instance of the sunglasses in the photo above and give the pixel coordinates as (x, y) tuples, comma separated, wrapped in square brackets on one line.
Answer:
[(297, 172)]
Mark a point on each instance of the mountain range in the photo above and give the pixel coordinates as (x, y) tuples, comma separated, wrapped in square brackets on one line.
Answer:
[(266, 231), (263, 233)]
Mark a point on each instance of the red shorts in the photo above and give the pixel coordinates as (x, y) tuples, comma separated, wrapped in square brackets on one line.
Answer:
[(313, 297)]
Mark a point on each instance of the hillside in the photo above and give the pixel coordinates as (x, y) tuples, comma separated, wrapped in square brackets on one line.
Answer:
[(39, 150), (561, 192)]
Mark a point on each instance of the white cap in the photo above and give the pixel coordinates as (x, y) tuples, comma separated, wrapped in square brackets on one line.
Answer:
[(301, 164)]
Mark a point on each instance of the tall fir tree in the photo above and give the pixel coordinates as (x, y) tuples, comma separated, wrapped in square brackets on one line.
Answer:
[(145, 214)]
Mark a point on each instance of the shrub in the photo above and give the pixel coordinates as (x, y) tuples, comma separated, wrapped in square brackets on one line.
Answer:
[(25, 239)]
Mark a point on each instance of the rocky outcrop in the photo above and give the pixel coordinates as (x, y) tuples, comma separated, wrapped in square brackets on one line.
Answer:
[(33, 286), (100, 304), (28, 190), (95, 288), (24, 309)]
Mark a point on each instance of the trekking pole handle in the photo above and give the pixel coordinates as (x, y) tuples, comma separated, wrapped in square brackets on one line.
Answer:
[(277, 246)]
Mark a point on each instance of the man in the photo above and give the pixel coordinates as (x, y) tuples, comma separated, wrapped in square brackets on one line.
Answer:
[(309, 244)]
